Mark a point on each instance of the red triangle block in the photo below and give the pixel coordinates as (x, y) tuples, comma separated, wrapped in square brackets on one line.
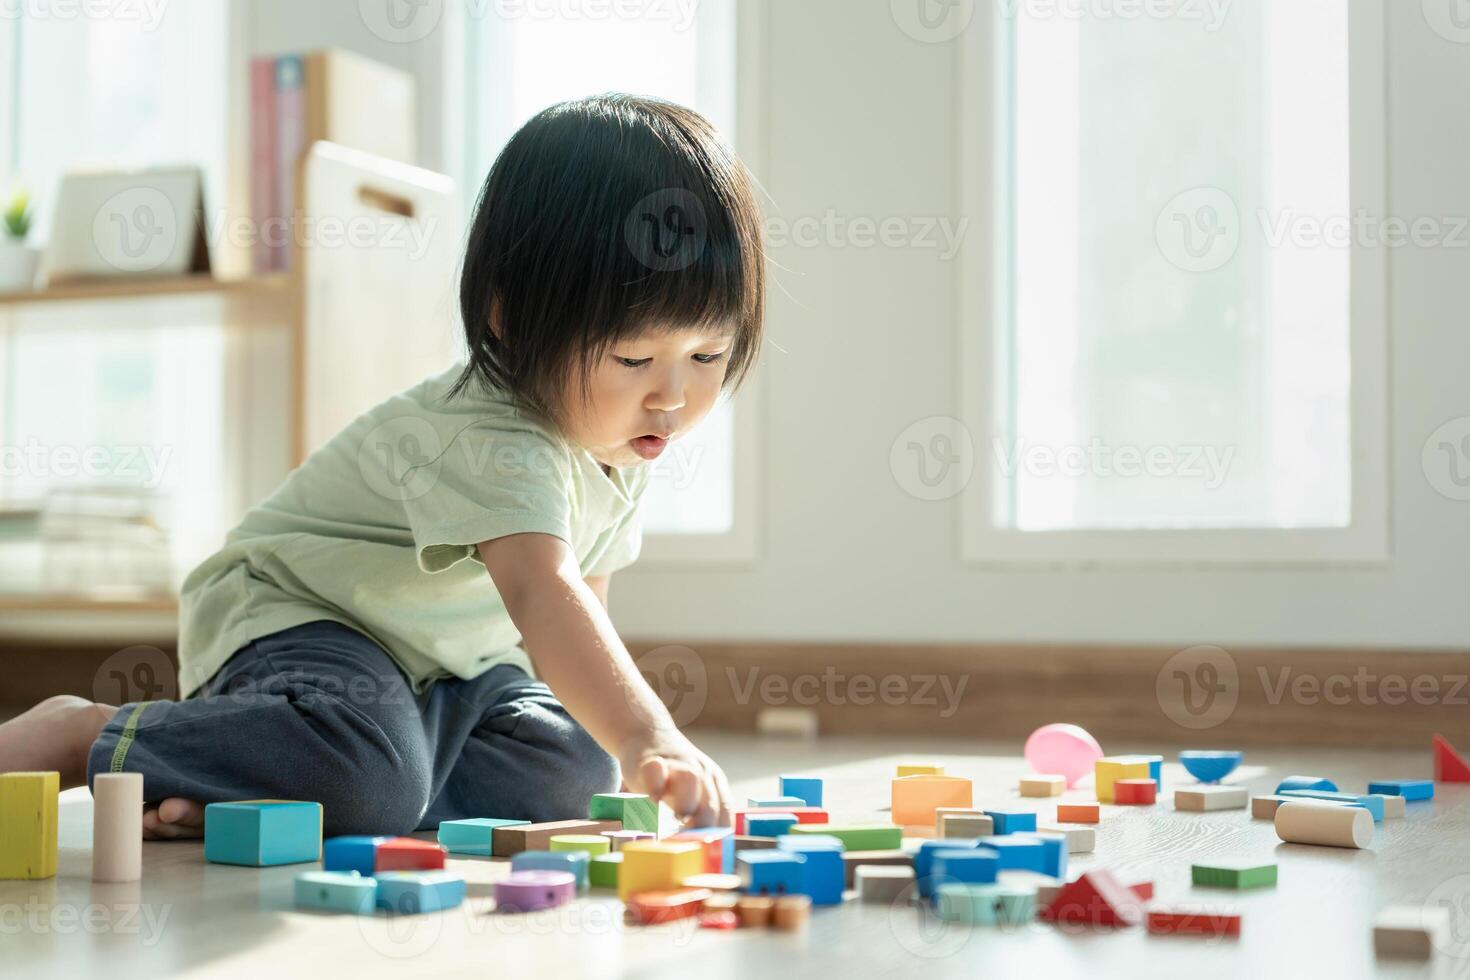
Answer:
[(1449, 765), (1096, 898)]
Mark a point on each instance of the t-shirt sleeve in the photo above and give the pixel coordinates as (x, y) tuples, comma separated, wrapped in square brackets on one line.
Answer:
[(493, 478), (626, 539)]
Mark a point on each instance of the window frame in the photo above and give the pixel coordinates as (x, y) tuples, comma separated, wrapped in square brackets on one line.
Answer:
[(984, 70)]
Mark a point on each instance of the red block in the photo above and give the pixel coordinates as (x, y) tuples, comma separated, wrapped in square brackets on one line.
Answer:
[(1449, 765), (408, 854), (1135, 791), (1194, 920), (714, 848), (1096, 898), (651, 908), (1144, 890), (803, 814), (718, 919)]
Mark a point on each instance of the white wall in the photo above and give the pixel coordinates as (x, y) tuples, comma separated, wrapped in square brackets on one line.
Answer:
[(861, 120)]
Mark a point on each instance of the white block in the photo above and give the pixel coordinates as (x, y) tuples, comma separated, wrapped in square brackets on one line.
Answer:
[(117, 826), (1080, 840), (1410, 931), (1200, 798), (1329, 824)]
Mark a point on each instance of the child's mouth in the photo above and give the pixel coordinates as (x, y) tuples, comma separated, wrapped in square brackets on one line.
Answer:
[(649, 447)]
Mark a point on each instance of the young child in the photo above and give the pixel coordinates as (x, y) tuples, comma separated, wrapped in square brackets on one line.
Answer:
[(355, 640)]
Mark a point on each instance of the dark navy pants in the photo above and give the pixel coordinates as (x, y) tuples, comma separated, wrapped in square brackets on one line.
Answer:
[(320, 712)]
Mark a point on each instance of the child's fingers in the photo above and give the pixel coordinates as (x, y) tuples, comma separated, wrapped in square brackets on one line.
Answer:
[(654, 776), (684, 791)]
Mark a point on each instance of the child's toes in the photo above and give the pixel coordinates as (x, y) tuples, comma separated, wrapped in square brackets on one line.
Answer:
[(173, 819)]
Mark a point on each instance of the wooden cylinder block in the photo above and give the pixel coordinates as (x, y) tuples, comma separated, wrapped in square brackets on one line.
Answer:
[(1332, 824), (117, 826)]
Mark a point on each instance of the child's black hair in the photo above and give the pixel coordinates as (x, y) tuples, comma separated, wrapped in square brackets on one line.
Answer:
[(602, 218)]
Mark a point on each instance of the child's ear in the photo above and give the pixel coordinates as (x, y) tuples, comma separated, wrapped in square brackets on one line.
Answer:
[(495, 319)]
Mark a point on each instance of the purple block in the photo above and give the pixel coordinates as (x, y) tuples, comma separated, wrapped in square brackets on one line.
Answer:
[(527, 891)]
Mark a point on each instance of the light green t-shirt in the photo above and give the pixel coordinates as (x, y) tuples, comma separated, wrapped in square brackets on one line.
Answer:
[(377, 530)]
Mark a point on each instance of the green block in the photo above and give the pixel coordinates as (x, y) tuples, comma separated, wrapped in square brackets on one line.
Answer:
[(593, 844), (987, 905), (857, 837), (603, 871), (636, 811), (1234, 874)]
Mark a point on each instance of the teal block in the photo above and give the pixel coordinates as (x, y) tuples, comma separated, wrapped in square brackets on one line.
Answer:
[(472, 836), (775, 801), (262, 833), (1372, 803), (351, 853), (769, 824), (412, 892), (804, 788), (574, 863), (339, 891), (985, 904)]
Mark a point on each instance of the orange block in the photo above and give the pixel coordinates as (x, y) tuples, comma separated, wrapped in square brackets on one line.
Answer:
[(1077, 813), (915, 798)]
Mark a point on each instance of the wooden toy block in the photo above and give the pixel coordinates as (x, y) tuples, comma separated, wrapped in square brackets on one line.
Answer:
[(1046, 894), (770, 824), (883, 883), (1135, 792), (822, 874), (1053, 851), (1323, 823), (1096, 898), (408, 854), (634, 811), (575, 863), (593, 844), (853, 860), (985, 904), (1210, 766), (656, 866), (774, 802), (713, 883), (1043, 785), (719, 847), (804, 788), (1306, 782), (856, 837), (1449, 765), (262, 833), (973, 865), (617, 838), (791, 912), (413, 892), (1264, 807), (1411, 931), (803, 814), (1409, 789), (1234, 874), (654, 908), (337, 891), (1373, 804), (916, 798), (1395, 807), (475, 836), (117, 826), (1144, 890), (512, 840), (354, 853), (1213, 797), (919, 771), (1080, 840), (719, 919), (1078, 813), (602, 870), (1193, 920), (1027, 880), (1011, 821), (963, 825), (755, 911), (923, 860), (1110, 769), (723, 901), (952, 811), (527, 891), (28, 807), (774, 872), (744, 842), (1018, 852)]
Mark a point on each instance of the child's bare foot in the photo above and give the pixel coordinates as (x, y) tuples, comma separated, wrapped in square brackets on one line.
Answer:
[(55, 735), (173, 819)]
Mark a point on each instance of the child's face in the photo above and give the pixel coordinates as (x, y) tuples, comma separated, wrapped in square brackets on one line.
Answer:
[(648, 390)]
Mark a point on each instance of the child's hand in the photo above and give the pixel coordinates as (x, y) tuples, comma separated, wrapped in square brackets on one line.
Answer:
[(669, 768)]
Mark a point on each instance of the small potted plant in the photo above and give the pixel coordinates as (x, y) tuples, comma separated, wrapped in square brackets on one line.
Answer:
[(18, 261)]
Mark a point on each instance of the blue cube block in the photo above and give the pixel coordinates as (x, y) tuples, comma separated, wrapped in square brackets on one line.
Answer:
[(575, 863), (472, 836), (1155, 770), (412, 892), (1018, 852), (1409, 789), (1373, 804), (262, 833), (770, 872), (973, 865), (1054, 854), (338, 891), (351, 854), (771, 801), (823, 875), (1305, 782), (804, 788), (924, 859), (726, 836), (769, 824), (1010, 821)]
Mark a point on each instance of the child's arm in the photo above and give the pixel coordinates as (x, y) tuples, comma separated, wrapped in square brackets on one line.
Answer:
[(577, 652)]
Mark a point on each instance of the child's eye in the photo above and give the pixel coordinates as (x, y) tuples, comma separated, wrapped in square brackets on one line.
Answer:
[(710, 358), (633, 362)]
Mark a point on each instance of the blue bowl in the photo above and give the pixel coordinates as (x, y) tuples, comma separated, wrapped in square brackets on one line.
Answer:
[(1209, 767)]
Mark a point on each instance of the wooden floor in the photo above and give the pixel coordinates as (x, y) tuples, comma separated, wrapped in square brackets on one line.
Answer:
[(189, 918)]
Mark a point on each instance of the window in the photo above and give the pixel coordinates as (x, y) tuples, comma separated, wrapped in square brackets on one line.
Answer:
[(1174, 341)]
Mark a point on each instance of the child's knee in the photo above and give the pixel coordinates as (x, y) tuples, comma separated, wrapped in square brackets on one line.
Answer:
[(377, 799), (586, 770)]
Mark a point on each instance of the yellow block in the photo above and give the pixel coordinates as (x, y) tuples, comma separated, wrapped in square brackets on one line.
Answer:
[(920, 771), (28, 824), (1109, 770), (656, 866), (915, 798)]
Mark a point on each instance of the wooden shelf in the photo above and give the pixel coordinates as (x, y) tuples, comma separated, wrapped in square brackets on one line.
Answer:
[(142, 287), (119, 602)]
